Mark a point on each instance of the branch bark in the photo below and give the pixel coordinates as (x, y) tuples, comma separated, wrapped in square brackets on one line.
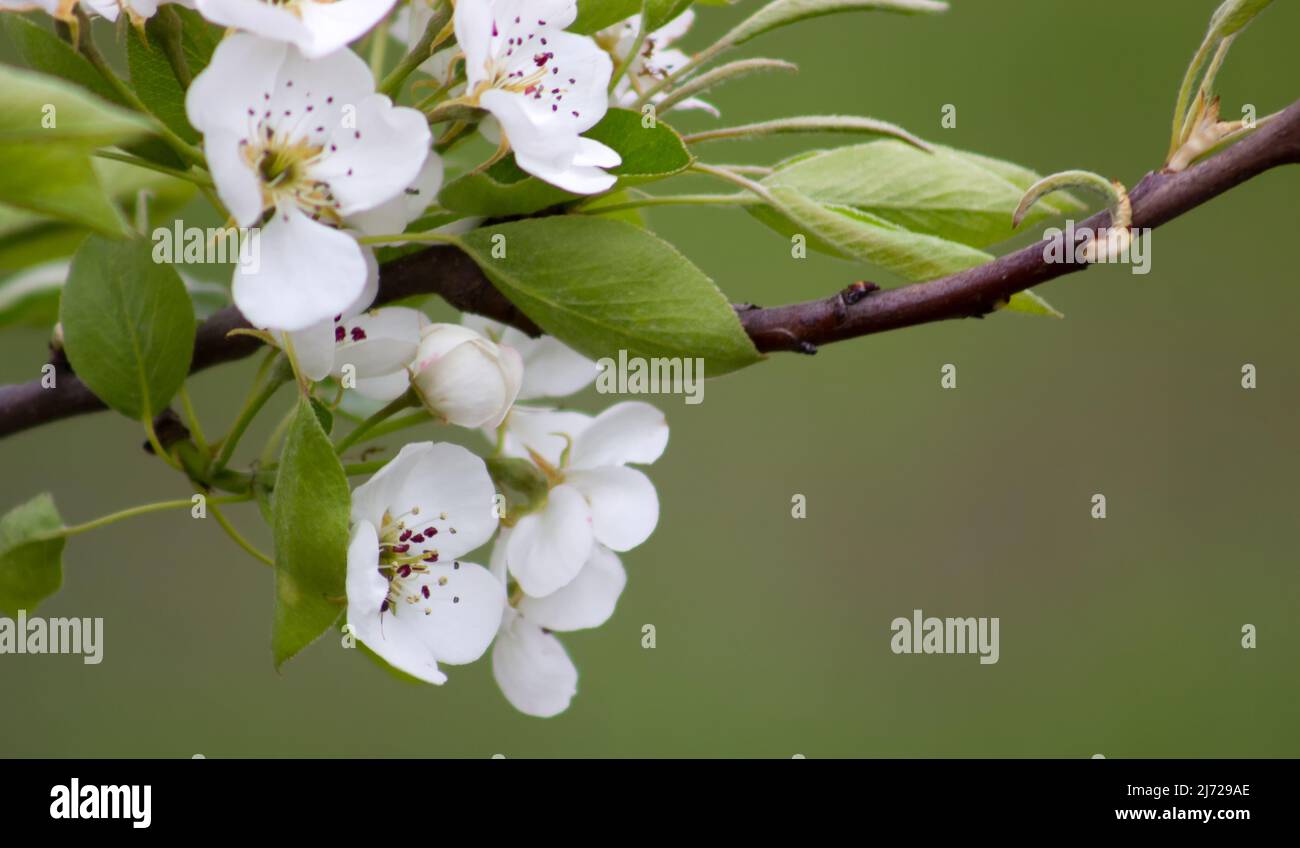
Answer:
[(801, 327)]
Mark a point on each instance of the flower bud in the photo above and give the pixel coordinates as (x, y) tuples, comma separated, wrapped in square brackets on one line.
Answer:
[(463, 378)]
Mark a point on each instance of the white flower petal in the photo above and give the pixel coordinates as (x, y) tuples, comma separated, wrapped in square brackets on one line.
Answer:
[(586, 602), (542, 431), (380, 341), (314, 349), (531, 667), (624, 504), (465, 603), (331, 25), (378, 157), (628, 432), (548, 548), (393, 215), (396, 639), (386, 387), (243, 68), (551, 368), (237, 185), (308, 273), (424, 482)]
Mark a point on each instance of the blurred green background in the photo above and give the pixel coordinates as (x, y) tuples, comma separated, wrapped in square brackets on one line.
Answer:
[(1119, 636)]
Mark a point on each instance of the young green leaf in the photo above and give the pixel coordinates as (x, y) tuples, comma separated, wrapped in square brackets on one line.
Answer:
[(310, 524), (31, 566), (504, 189), (128, 326), (43, 51), (941, 194), (854, 234), (1032, 304), (851, 124), (785, 12), (602, 286), (48, 129)]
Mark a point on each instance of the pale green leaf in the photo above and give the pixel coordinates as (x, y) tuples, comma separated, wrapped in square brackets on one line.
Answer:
[(603, 286), (310, 523), (31, 557)]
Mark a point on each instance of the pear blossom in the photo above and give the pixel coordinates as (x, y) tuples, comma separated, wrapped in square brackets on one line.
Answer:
[(543, 85), (552, 369), (309, 141), (529, 663), (316, 27), (464, 378), (412, 600), (594, 497), (376, 345), (652, 63)]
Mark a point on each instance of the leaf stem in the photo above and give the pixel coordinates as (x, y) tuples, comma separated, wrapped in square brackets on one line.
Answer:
[(237, 536), (252, 406), (87, 47), (188, 176), (738, 199), (359, 432), (192, 420), (143, 509), (419, 53), (626, 61), (430, 236)]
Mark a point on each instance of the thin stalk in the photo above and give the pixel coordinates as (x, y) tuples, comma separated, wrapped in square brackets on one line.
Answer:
[(359, 432), (739, 199), (252, 406), (192, 420), (143, 509), (188, 176), (237, 536), (631, 54)]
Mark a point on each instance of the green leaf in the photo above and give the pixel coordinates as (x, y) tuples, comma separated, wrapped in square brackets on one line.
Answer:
[(854, 234), (310, 512), (48, 128), (152, 76), (44, 51), (785, 12), (602, 286), (128, 326), (942, 194), (1021, 178), (505, 189), (1031, 304), (31, 567), (323, 416), (597, 14), (32, 296), (1234, 15)]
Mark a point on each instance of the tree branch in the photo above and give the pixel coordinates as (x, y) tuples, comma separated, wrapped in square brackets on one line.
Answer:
[(445, 271)]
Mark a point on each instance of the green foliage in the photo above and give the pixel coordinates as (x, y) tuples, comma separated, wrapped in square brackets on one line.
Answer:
[(781, 13), (128, 325), (310, 524), (31, 560), (152, 75), (504, 189), (597, 14), (603, 285), (944, 193), (48, 129)]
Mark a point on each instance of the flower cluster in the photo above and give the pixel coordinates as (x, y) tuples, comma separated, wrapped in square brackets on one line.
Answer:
[(304, 146), (412, 597)]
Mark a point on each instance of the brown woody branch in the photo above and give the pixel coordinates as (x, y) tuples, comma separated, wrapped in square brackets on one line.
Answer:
[(854, 312)]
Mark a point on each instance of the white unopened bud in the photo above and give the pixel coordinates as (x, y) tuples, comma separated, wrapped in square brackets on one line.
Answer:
[(464, 378)]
